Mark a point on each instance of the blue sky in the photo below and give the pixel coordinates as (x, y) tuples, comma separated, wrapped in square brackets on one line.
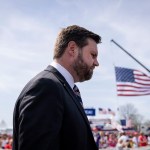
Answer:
[(27, 34)]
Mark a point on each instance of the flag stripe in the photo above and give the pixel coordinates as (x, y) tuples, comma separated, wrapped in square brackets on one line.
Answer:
[(132, 82), (132, 87), (142, 79), (138, 85), (119, 90), (102, 111), (132, 94), (142, 82)]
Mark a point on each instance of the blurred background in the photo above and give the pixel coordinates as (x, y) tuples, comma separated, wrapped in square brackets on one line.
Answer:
[(27, 35)]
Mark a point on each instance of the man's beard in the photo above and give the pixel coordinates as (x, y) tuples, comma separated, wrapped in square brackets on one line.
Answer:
[(83, 71)]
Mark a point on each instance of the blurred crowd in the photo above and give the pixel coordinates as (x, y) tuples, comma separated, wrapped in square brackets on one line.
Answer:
[(103, 139), (6, 141), (120, 141)]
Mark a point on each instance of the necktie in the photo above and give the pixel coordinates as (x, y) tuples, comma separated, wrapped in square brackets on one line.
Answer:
[(77, 93)]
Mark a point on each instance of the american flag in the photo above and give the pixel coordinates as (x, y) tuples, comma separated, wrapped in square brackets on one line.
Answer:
[(129, 123), (132, 82), (111, 112), (102, 111), (116, 125)]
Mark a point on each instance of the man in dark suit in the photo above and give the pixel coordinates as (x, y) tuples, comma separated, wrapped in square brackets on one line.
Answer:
[(48, 114)]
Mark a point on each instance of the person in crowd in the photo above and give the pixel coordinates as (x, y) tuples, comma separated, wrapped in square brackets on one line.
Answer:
[(120, 145), (142, 139), (49, 113), (97, 138), (148, 139), (8, 145), (123, 141), (4, 140), (135, 140), (112, 140), (123, 136), (103, 142), (0, 141), (129, 143)]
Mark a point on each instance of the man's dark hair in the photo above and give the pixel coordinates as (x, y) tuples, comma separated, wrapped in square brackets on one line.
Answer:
[(73, 33)]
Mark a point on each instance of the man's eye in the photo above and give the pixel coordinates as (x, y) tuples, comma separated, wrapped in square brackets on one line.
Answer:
[(93, 55)]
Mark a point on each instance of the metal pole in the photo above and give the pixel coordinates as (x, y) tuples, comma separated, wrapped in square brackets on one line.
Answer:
[(130, 55)]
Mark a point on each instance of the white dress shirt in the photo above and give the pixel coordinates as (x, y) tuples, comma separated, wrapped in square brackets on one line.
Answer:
[(65, 73)]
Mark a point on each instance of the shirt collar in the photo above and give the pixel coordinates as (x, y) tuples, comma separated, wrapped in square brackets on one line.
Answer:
[(65, 73)]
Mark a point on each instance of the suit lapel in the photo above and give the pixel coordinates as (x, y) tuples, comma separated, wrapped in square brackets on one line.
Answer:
[(70, 92)]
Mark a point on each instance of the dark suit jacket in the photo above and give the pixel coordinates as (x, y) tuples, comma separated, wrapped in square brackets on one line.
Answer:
[(47, 116)]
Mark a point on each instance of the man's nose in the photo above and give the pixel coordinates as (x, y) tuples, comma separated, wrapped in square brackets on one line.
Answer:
[(96, 63)]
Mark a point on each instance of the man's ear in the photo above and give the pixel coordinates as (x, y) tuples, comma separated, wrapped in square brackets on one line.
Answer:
[(72, 48)]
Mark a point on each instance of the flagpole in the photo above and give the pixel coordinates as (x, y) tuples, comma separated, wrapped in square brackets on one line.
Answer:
[(130, 55)]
